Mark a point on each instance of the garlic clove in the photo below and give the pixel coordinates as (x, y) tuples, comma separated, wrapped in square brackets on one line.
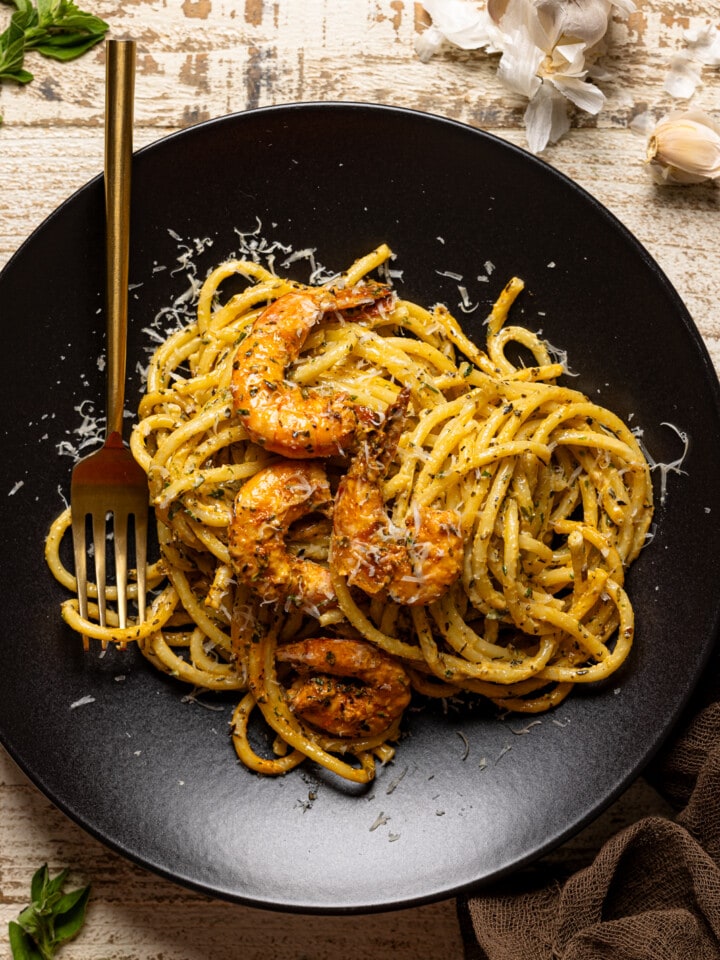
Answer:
[(584, 20), (684, 148)]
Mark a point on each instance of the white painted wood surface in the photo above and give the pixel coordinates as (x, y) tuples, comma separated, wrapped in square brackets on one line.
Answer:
[(199, 59)]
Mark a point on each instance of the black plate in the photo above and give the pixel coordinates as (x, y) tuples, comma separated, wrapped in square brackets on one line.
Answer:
[(469, 797)]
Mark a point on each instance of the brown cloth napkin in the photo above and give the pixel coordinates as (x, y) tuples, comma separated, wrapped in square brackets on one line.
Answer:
[(653, 890)]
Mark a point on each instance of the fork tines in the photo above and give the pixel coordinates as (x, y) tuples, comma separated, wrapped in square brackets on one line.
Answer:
[(112, 493)]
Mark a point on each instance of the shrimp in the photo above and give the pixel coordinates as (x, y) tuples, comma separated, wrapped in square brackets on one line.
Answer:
[(283, 417), (265, 507), (347, 688), (413, 565)]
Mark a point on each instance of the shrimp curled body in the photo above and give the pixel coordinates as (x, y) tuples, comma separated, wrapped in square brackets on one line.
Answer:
[(283, 417), (265, 507), (348, 688), (413, 564)]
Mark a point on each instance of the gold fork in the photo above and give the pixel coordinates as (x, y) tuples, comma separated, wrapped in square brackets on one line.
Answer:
[(109, 481)]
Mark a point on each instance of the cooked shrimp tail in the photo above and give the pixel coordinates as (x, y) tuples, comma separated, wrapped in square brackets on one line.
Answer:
[(347, 688), (380, 441), (413, 564)]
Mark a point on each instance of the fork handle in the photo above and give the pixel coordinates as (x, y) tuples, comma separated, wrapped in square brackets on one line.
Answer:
[(120, 89)]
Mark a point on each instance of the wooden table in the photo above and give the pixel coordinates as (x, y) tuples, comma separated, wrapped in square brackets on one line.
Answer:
[(200, 59)]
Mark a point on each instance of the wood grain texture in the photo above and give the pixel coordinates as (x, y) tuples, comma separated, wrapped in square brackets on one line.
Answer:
[(200, 59), (134, 915)]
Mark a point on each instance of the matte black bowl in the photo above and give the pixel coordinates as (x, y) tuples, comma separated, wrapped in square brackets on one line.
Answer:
[(468, 799)]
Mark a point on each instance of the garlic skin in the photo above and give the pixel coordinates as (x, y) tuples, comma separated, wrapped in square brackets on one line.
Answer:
[(684, 148), (683, 77), (704, 44), (456, 21), (685, 72)]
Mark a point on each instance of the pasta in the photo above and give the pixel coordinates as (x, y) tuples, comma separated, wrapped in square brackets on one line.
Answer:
[(548, 494)]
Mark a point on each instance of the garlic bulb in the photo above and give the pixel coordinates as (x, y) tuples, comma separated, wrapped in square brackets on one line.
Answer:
[(548, 51), (561, 21), (684, 148), (549, 48)]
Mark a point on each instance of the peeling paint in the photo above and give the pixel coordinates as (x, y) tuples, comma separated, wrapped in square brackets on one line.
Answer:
[(198, 9), (253, 12), (147, 65), (194, 114), (397, 6), (194, 71), (49, 90), (260, 73), (422, 17)]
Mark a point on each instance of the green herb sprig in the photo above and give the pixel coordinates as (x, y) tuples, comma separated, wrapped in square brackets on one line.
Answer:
[(52, 918), (54, 28)]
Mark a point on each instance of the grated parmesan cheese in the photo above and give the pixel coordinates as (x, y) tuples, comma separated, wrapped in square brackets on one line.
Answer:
[(675, 466), (82, 702)]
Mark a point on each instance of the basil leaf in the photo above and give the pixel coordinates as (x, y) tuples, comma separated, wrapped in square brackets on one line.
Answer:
[(22, 945), (56, 15), (51, 888), (24, 10), (30, 920), (58, 29), (70, 914), (12, 49), (66, 48), (39, 882), (51, 919)]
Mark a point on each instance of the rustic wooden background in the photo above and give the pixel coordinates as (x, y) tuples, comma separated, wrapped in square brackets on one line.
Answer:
[(200, 59)]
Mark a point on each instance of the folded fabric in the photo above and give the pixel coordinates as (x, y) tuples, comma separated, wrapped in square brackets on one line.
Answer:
[(653, 890)]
